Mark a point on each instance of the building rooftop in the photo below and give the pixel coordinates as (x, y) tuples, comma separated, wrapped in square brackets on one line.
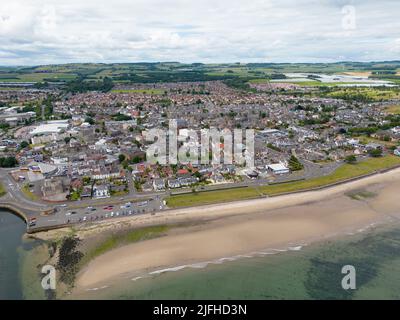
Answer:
[(49, 128), (277, 167)]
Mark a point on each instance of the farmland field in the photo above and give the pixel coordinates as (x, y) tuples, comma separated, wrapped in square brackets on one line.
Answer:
[(36, 77), (395, 109), (364, 94), (165, 71)]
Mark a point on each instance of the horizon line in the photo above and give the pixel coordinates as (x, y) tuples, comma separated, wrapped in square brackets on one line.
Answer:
[(203, 63)]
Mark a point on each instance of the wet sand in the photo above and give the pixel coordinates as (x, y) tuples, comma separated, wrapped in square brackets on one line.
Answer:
[(246, 227)]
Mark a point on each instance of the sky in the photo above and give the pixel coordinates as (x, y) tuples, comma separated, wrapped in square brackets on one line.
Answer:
[(35, 32)]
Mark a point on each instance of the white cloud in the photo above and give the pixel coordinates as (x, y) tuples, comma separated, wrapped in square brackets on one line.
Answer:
[(57, 31)]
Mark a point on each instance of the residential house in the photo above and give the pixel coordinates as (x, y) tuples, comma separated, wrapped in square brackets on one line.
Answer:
[(101, 192), (159, 184)]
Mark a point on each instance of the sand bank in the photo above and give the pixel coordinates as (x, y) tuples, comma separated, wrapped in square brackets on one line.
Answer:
[(249, 226)]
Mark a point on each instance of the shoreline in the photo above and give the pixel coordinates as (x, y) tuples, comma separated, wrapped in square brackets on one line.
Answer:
[(200, 213), (258, 197), (249, 225), (148, 273)]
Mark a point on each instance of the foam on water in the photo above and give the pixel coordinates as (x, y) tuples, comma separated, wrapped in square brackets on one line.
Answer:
[(261, 253), (204, 264), (96, 289)]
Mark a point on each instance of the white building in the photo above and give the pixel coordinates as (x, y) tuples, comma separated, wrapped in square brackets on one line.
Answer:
[(51, 127), (101, 192), (59, 161), (396, 130), (278, 168)]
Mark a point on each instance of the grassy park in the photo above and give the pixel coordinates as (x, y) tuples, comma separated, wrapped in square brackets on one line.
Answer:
[(209, 197)]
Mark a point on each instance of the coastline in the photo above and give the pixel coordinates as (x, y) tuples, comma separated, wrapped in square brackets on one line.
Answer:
[(311, 272), (243, 227)]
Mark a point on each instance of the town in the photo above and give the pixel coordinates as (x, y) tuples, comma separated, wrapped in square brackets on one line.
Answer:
[(88, 149)]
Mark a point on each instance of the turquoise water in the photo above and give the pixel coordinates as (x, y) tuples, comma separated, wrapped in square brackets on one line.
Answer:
[(11, 230), (312, 273)]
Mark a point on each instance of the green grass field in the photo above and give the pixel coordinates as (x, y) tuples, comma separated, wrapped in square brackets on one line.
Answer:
[(125, 238), (257, 81), (365, 140), (27, 192), (209, 197), (345, 172), (394, 109), (36, 77), (9, 88), (2, 190), (371, 93)]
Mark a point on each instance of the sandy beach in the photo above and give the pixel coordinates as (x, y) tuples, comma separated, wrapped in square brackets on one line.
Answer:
[(246, 227)]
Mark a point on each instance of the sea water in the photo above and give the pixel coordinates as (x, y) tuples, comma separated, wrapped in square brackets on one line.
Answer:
[(12, 229), (308, 272)]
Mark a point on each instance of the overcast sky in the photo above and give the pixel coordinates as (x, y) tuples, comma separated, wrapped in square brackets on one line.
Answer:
[(61, 31)]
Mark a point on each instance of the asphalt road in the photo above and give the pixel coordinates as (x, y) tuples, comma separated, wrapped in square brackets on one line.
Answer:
[(76, 212), (140, 203)]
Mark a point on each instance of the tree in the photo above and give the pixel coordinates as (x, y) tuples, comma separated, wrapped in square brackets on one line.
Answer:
[(136, 159), (121, 117), (86, 180), (375, 152), (89, 120), (121, 158), (295, 164), (4, 126), (8, 162), (24, 144), (125, 164), (197, 174), (351, 159)]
